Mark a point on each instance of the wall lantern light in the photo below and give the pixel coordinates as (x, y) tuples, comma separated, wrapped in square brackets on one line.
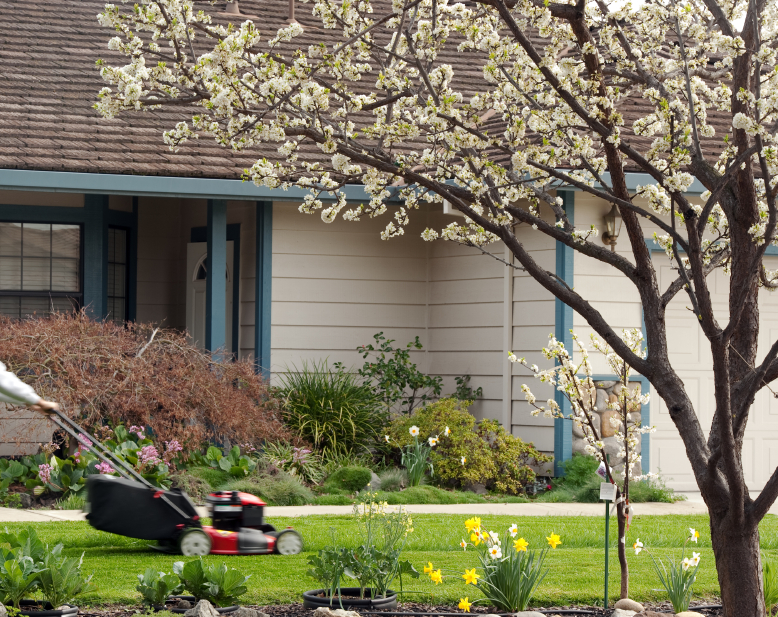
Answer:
[(612, 227)]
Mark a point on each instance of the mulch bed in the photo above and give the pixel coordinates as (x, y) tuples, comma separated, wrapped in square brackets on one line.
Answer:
[(297, 610)]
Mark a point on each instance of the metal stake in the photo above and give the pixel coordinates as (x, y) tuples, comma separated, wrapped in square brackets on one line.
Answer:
[(607, 534)]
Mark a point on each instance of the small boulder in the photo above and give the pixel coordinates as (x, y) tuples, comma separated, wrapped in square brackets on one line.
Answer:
[(689, 614), (184, 604), (651, 614), (528, 614), (325, 611), (477, 488), (629, 605), (202, 609), (25, 500), (245, 611), (620, 612), (375, 482)]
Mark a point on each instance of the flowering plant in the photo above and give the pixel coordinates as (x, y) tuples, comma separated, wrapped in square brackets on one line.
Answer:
[(509, 579), (415, 457), (678, 581)]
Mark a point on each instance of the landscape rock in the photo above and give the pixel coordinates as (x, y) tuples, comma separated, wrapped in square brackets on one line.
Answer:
[(608, 430), (477, 488), (325, 611), (651, 614), (202, 609), (375, 482), (602, 400), (26, 500), (184, 604), (528, 614), (620, 612), (3, 610), (689, 614), (629, 605), (245, 611)]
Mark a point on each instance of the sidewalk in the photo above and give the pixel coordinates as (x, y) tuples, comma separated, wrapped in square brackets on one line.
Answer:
[(9, 515)]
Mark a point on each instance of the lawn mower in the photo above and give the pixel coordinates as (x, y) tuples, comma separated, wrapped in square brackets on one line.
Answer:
[(131, 506)]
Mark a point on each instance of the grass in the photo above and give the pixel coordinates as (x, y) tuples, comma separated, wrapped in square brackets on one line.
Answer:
[(575, 576)]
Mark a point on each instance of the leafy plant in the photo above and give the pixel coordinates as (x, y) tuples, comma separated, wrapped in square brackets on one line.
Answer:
[(61, 578), (415, 457), (330, 408), (769, 583), (134, 447), (155, 587), (299, 462), (327, 567), (220, 585), (679, 579), (26, 543), (464, 392), (395, 378), (18, 576), (392, 479), (350, 479), (467, 451), (281, 489), (233, 462)]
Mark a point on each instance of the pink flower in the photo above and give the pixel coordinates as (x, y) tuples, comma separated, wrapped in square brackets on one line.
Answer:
[(173, 446), (44, 473), (138, 431), (85, 441), (105, 468), (148, 456)]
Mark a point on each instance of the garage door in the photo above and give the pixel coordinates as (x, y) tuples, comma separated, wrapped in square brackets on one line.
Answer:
[(690, 355)]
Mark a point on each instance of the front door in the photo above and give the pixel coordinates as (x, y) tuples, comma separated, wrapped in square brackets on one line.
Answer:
[(197, 274)]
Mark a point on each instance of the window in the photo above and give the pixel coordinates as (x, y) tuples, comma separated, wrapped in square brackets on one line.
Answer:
[(40, 268), (117, 274)]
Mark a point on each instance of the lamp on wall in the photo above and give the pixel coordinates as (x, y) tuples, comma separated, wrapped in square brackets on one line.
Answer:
[(612, 227)]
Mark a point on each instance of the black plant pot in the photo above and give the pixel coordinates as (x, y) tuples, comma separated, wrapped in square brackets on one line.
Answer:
[(44, 609), (320, 597), (193, 601)]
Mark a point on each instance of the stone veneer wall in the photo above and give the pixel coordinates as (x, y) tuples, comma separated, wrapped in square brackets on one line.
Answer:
[(607, 392)]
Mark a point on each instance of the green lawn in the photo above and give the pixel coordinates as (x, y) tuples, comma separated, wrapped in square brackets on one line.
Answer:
[(575, 568)]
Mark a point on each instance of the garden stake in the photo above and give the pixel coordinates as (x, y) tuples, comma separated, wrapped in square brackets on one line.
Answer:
[(607, 530)]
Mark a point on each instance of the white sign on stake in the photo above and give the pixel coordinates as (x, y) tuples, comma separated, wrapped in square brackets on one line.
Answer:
[(607, 491)]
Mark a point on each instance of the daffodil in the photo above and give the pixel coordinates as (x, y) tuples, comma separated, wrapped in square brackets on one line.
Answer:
[(554, 540), (495, 552), (428, 568), (463, 544), (436, 577), (433, 441), (414, 431), (520, 545), (471, 578), (638, 546), (475, 539), (463, 460), (494, 537), (695, 560), (513, 530), (386, 438), (473, 524), (447, 432), (693, 534), (686, 564), (464, 604)]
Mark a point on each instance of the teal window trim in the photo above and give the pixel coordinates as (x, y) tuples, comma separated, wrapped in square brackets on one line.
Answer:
[(200, 234), (563, 320), (216, 286), (263, 287)]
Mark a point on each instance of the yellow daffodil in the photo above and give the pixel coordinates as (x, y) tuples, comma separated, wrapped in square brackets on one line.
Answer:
[(470, 577), (428, 568), (473, 524), (436, 577), (475, 539), (463, 544), (554, 540), (464, 604), (520, 545)]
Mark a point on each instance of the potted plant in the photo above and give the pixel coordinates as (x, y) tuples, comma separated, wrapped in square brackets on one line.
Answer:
[(374, 564), (218, 584), (29, 565)]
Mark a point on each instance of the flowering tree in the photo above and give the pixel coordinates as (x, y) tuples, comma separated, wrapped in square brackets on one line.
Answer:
[(382, 101), (576, 383)]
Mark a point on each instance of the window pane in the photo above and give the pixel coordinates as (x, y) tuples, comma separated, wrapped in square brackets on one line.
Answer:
[(116, 309), (117, 281), (36, 240), (117, 246), (9, 306), (63, 305), (11, 239), (36, 273), (64, 275), (34, 306), (65, 241), (10, 273)]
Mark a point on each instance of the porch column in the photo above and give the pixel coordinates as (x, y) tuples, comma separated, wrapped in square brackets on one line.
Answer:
[(96, 255), (263, 280), (216, 281)]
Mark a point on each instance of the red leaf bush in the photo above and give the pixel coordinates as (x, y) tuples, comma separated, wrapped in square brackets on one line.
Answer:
[(104, 372)]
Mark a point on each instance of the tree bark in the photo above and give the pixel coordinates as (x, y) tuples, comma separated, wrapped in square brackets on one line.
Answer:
[(739, 566), (622, 522)]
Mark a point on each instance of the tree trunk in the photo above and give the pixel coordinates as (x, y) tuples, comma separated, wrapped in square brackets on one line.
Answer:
[(739, 566), (622, 522)]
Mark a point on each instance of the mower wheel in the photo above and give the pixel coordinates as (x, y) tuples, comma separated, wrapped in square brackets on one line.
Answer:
[(289, 542), (194, 542)]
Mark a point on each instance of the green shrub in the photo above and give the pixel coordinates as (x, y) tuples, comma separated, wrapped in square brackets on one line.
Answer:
[(280, 490), (155, 587), (333, 500), (220, 585), (492, 456), (299, 462), (428, 495), (350, 479), (214, 477), (195, 486), (74, 501), (330, 407), (580, 469), (392, 480), (335, 460), (652, 489)]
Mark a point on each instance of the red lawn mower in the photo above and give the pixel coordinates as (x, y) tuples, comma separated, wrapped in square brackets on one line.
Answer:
[(131, 506)]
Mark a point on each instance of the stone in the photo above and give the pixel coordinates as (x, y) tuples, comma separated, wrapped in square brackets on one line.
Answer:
[(477, 488), (325, 611), (689, 614), (620, 612), (605, 385), (245, 611), (375, 482), (602, 400), (528, 614), (612, 448), (629, 605), (202, 609), (25, 499), (577, 431), (184, 604), (635, 418), (651, 614), (579, 445), (3, 610), (608, 430), (617, 389)]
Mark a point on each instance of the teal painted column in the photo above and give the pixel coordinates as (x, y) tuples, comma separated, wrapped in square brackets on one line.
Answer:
[(263, 282), (96, 255), (565, 258), (216, 282)]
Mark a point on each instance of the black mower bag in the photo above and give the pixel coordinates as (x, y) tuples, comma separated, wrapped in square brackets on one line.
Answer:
[(129, 508)]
